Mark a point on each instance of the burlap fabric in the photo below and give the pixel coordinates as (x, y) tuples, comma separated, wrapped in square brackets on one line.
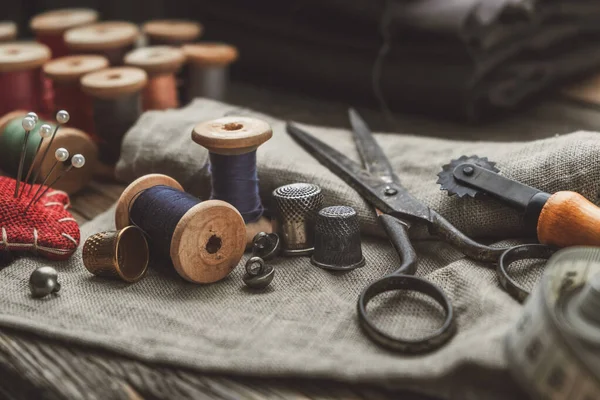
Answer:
[(305, 325)]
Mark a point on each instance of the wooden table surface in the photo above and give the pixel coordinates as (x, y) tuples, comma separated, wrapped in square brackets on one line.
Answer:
[(35, 367)]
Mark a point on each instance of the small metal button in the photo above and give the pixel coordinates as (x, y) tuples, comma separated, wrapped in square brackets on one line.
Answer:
[(258, 275), (43, 281), (266, 245)]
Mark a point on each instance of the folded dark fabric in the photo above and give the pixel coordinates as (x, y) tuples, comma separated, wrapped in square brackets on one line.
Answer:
[(460, 59)]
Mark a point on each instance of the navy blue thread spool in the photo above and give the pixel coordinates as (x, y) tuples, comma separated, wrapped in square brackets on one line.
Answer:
[(232, 142), (116, 106), (204, 240)]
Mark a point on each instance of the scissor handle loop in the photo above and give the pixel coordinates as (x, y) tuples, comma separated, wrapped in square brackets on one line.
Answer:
[(409, 283), (519, 253)]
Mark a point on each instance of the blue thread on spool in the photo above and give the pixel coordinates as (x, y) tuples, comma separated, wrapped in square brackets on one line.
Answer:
[(235, 180), (158, 210)]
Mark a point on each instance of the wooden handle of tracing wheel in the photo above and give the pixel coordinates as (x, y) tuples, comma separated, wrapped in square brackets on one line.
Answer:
[(569, 219)]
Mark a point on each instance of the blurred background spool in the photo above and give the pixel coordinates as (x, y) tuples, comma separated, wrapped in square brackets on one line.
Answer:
[(49, 27), (111, 39), (74, 140), (204, 240), (8, 31), (207, 70), (172, 32), (21, 77), (65, 74), (161, 63), (116, 105), (232, 143)]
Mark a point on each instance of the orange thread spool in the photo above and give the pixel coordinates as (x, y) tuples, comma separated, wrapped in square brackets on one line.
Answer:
[(160, 63), (65, 73), (8, 31), (21, 77), (50, 26), (174, 32), (111, 39)]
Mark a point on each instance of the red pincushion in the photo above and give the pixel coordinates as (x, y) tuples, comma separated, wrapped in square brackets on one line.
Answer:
[(47, 229)]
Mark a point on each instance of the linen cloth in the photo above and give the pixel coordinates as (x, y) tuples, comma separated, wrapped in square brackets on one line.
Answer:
[(305, 324)]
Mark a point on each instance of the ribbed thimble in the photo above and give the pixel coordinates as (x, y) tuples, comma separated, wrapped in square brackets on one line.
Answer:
[(296, 207), (337, 239), (118, 254)]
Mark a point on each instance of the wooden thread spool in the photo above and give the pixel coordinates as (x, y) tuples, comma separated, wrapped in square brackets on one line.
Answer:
[(21, 77), (49, 27), (112, 39), (207, 69), (208, 241), (76, 141), (235, 136), (65, 74), (8, 31), (160, 63), (116, 105), (173, 32)]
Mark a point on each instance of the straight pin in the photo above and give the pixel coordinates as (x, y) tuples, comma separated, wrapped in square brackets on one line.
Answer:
[(62, 117), (45, 132), (61, 154), (28, 124), (77, 161)]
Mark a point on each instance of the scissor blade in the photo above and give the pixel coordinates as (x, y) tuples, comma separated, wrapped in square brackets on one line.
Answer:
[(372, 188), (373, 157)]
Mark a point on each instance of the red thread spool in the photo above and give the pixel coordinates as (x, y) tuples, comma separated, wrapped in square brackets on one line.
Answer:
[(111, 39), (174, 32), (8, 31), (160, 63), (21, 76), (65, 73), (50, 26)]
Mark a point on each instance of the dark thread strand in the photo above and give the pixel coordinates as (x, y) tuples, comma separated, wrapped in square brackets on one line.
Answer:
[(235, 180), (157, 211)]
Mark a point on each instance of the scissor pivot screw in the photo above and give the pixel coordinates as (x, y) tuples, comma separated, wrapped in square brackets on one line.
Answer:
[(468, 171), (389, 191)]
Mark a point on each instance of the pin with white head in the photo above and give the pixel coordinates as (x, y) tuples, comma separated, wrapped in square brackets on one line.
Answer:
[(77, 161), (61, 155), (28, 124), (45, 132), (62, 117)]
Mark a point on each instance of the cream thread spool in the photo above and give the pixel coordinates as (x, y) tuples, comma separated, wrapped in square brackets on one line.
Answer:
[(8, 31), (235, 136), (116, 104), (173, 32), (207, 69), (112, 39), (208, 241)]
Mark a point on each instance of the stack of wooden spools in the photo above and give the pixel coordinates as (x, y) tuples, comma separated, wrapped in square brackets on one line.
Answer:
[(106, 73)]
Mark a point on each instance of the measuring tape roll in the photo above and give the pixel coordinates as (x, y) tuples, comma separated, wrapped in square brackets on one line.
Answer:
[(554, 349)]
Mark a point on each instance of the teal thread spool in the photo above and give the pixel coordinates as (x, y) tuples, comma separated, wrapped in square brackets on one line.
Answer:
[(76, 141)]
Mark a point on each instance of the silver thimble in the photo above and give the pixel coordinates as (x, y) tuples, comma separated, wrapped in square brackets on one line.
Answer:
[(296, 207), (337, 239)]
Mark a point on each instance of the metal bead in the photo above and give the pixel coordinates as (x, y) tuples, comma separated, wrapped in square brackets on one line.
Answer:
[(28, 123), (258, 278), (45, 131), (43, 281), (78, 161), (266, 245), (33, 115), (61, 154), (62, 117)]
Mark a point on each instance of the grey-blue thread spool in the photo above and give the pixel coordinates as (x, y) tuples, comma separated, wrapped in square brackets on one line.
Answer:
[(232, 142), (116, 106), (204, 240), (207, 69)]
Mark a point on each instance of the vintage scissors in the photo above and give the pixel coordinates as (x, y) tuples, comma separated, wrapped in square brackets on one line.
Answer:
[(397, 211)]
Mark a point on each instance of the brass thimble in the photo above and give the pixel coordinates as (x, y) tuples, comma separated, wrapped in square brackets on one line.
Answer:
[(117, 254)]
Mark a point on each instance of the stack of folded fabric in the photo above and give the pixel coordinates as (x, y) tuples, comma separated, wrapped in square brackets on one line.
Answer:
[(458, 58)]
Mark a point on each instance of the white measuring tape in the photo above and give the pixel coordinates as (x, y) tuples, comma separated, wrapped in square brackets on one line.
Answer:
[(554, 349)]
